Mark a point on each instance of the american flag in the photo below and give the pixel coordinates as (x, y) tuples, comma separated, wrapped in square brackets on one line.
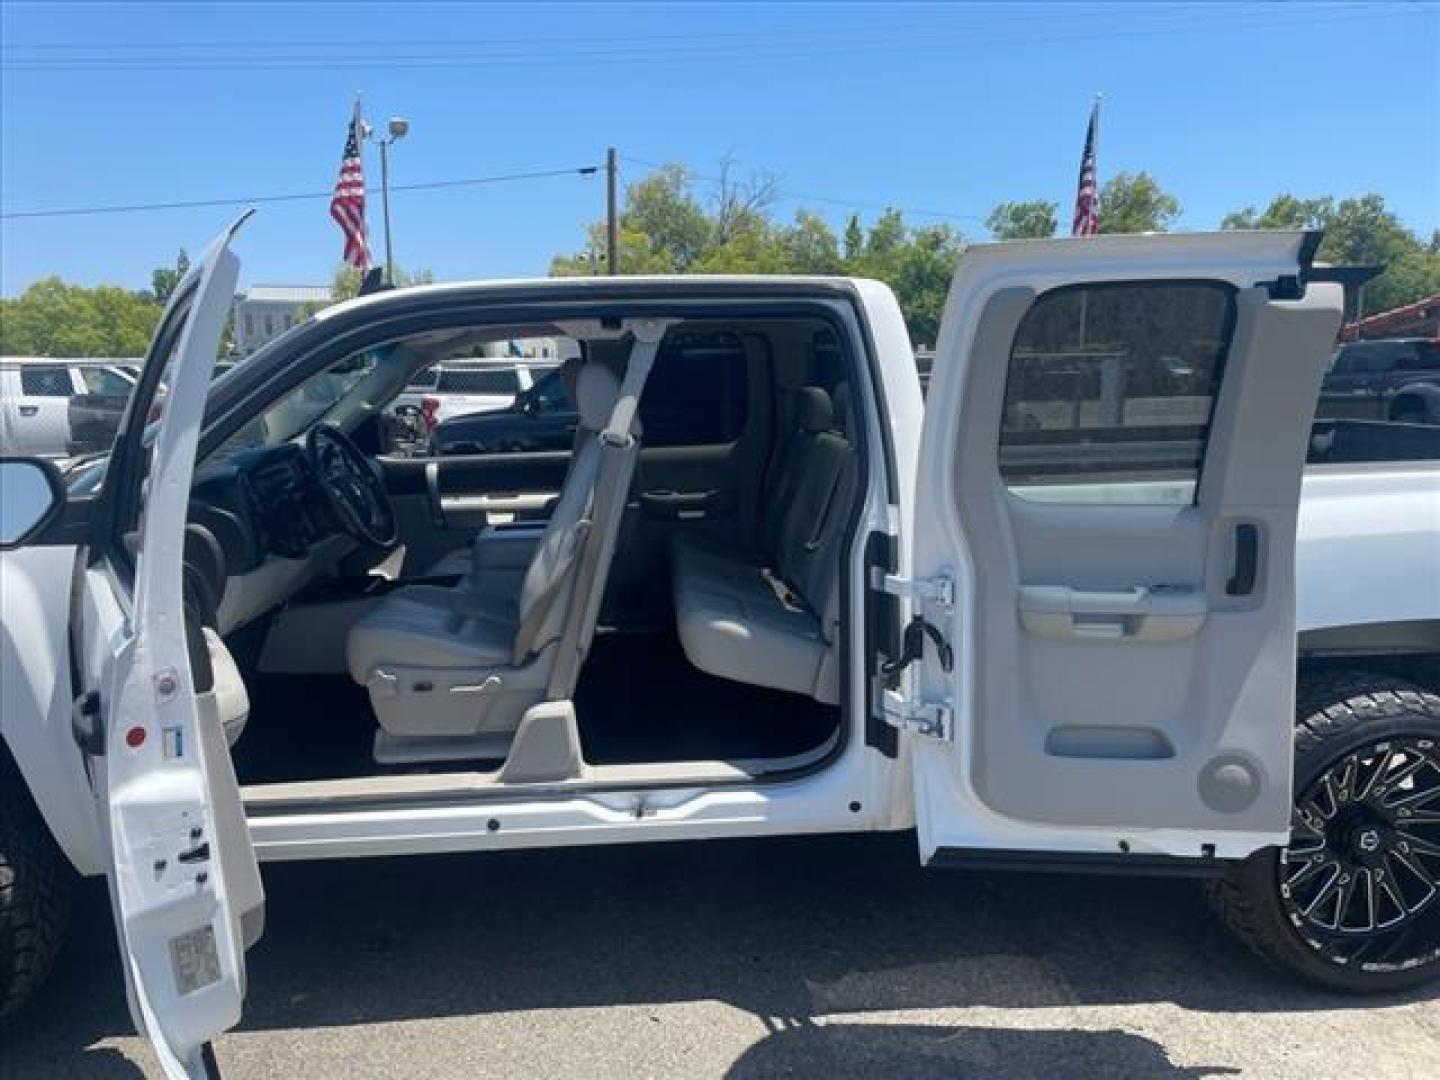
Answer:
[(1087, 199), (347, 205)]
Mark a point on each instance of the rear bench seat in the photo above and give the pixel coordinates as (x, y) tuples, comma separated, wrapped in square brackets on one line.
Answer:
[(771, 617)]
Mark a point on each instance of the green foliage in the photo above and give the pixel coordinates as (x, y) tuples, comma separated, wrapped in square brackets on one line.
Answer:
[(1135, 202), (51, 318), (163, 279), (1034, 220), (1358, 232), (667, 227)]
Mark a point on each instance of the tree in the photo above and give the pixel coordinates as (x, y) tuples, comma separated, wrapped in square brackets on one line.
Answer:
[(811, 245), (854, 238), (52, 318), (1135, 202), (1284, 212), (1359, 231), (163, 279), (667, 228), (1034, 220)]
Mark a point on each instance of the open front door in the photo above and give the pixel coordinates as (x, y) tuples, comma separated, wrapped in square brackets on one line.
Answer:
[(1109, 480), (183, 878)]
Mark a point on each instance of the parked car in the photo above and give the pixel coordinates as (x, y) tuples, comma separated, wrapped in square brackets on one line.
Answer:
[(59, 407), (463, 387), (829, 609), (1395, 380)]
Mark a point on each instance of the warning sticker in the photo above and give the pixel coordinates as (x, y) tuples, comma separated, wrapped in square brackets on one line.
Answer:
[(195, 959)]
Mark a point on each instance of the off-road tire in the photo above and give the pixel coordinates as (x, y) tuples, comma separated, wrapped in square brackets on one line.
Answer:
[(1338, 712), (36, 887)]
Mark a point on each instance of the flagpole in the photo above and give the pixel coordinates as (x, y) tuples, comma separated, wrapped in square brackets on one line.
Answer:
[(1095, 155)]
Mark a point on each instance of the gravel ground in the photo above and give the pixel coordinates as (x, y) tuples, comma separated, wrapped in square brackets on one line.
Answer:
[(835, 957)]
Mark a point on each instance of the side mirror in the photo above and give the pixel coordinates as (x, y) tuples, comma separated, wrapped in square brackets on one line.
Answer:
[(31, 494)]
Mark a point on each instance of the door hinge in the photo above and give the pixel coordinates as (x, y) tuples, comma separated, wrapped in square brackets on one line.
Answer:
[(939, 589), (929, 718)]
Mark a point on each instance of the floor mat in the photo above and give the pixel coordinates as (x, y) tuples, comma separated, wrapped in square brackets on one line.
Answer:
[(640, 700)]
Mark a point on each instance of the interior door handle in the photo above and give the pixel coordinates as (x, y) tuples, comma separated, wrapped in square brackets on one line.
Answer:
[(1247, 560), (1144, 613)]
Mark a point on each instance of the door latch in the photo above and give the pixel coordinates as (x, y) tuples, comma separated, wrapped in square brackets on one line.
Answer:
[(912, 648), (85, 724)]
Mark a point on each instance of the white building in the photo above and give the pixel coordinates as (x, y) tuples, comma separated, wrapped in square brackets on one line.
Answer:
[(266, 311)]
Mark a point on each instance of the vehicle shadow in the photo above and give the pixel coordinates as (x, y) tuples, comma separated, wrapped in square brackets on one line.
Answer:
[(790, 930), (895, 1051)]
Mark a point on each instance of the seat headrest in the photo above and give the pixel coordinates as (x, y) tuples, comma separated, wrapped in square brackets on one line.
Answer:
[(813, 411), (570, 376), (597, 388)]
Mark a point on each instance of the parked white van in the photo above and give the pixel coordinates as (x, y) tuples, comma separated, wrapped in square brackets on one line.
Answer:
[(814, 607)]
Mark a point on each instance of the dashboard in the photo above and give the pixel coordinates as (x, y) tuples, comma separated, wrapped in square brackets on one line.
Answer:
[(273, 524), (261, 503)]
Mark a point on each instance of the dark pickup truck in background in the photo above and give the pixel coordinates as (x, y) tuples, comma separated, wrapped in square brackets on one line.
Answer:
[(1396, 380)]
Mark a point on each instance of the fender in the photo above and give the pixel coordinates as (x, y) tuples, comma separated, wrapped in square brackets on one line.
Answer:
[(36, 705)]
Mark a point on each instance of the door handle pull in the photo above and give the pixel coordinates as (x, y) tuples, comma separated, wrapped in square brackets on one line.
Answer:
[(1247, 560)]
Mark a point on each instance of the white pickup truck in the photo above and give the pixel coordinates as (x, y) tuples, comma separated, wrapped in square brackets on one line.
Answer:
[(813, 607)]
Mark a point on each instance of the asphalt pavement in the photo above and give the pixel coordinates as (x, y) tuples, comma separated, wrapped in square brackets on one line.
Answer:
[(834, 957)]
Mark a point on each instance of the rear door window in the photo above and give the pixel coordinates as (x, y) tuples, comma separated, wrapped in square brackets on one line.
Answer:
[(696, 394), (1113, 385), (500, 381), (51, 382)]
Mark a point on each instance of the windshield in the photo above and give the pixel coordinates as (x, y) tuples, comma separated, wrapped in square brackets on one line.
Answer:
[(305, 405)]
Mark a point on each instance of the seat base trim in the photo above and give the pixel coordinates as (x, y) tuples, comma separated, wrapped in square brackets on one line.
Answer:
[(418, 749)]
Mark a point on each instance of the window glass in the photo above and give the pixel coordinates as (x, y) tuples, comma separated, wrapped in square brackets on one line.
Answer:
[(479, 380), (551, 393), (307, 404), (46, 382), (1110, 390), (424, 379), (105, 381), (696, 392)]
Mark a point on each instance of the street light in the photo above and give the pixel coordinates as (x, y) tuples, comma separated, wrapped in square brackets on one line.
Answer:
[(396, 129)]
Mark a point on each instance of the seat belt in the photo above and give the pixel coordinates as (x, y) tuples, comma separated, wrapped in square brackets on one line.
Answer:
[(619, 449)]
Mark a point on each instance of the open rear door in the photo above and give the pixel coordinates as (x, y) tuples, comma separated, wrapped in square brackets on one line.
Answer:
[(183, 877), (1109, 480)]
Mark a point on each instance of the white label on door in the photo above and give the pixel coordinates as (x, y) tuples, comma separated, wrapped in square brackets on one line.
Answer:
[(195, 959)]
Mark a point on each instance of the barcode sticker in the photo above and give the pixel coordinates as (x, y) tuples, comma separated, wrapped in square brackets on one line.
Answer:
[(195, 959)]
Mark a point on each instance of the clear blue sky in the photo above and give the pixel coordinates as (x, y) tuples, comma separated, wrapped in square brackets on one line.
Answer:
[(945, 108)]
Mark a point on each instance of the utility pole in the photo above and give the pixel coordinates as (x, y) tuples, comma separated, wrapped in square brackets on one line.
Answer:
[(612, 210), (395, 130)]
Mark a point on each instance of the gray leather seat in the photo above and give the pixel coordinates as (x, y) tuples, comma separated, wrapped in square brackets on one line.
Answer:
[(771, 617), (489, 561), (469, 660)]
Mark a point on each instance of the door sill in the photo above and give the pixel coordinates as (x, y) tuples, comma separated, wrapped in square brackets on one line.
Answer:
[(439, 789)]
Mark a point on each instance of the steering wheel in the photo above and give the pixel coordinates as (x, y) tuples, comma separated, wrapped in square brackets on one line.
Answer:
[(357, 499)]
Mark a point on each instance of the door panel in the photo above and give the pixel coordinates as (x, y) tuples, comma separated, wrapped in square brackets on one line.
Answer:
[(442, 502), (1113, 477), (183, 876)]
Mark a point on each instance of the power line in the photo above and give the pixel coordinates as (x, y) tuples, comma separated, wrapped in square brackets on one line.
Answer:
[(433, 185), (807, 29), (644, 50)]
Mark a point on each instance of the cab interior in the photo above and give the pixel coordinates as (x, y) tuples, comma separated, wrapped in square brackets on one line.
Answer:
[(655, 596)]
